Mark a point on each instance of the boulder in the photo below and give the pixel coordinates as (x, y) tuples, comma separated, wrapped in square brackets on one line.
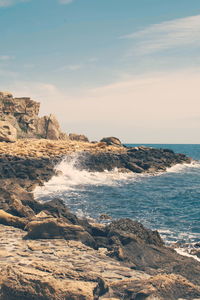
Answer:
[(49, 128), (7, 132), (10, 220), (136, 228), (78, 137), (58, 209), (51, 228), (111, 141)]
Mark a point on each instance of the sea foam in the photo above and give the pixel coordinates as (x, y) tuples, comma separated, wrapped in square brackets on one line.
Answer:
[(70, 177)]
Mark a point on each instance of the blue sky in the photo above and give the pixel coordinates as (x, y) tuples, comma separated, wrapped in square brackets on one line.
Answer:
[(128, 68)]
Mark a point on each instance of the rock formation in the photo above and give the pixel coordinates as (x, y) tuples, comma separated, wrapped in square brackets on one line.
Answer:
[(47, 252), (8, 133), (111, 141), (78, 137), (19, 119)]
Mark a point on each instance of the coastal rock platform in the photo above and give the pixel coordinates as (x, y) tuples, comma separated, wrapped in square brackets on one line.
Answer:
[(48, 253)]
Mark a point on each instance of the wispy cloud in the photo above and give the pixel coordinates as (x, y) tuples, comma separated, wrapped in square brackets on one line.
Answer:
[(166, 35), (75, 67), (6, 57), (6, 3), (65, 1), (71, 67)]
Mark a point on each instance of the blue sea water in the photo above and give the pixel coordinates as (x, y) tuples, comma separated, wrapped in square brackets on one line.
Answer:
[(168, 202)]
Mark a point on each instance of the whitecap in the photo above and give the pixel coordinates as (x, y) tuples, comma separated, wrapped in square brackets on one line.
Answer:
[(178, 168), (184, 252)]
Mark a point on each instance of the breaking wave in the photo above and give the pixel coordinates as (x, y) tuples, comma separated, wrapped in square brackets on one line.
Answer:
[(166, 201), (70, 177)]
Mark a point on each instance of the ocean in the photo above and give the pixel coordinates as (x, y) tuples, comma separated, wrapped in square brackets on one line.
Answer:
[(168, 202)]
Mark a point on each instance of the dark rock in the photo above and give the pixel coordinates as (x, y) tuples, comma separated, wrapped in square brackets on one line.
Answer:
[(143, 249), (58, 209), (105, 217), (136, 228), (142, 160)]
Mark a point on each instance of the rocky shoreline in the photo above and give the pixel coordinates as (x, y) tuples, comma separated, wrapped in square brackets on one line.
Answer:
[(49, 253)]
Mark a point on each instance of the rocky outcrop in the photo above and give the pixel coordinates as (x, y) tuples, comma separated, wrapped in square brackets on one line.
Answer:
[(137, 160), (48, 127), (111, 141), (78, 137), (22, 114), (60, 256)]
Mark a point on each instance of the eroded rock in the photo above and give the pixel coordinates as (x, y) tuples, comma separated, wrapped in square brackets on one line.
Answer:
[(22, 114), (7, 132), (51, 228)]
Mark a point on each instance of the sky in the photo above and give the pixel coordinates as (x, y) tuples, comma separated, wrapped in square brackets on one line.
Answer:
[(124, 68)]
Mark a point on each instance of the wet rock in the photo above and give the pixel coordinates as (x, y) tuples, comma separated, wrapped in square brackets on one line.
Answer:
[(111, 141), (136, 228), (7, 132), (138, 160), (105, 217), (58, 209), (195, 252)]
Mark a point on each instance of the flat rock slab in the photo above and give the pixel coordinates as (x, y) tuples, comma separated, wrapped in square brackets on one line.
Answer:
[(55, 265)]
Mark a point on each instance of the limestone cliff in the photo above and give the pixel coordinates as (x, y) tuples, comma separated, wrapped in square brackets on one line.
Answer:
[(23, 114)]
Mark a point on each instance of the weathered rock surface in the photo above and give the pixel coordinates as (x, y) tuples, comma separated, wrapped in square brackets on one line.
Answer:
[(48, 127), (22, 114), (55, 269), (8, 133), (59, 269), (50, 260), (10, 220), (159, 287), (51, 228)]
